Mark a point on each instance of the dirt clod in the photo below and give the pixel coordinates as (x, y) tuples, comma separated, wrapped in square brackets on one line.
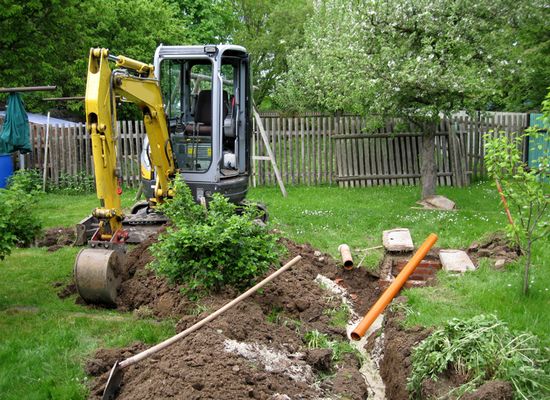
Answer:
[(496, 247), (56, 238), (492, 390)]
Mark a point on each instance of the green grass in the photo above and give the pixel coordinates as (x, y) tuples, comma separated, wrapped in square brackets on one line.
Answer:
[(328, 216), (56, 209), (45, 341)]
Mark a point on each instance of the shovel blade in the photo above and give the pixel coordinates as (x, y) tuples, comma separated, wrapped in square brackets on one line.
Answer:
[(113, 383)]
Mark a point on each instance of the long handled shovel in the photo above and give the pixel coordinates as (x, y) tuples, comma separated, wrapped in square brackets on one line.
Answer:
[(115, 376)]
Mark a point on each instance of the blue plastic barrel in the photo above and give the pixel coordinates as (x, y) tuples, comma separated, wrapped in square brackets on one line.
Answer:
[(6, 169)]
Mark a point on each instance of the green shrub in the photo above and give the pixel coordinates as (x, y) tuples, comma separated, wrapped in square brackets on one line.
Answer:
[(206, 250), (81, 183), (482, 348), (18, 224), (26, 181)]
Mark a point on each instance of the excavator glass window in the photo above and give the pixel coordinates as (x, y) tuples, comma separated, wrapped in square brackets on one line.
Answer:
[(187, 94)]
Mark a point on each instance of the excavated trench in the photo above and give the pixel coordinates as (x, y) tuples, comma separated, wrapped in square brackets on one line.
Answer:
[(257, 349)]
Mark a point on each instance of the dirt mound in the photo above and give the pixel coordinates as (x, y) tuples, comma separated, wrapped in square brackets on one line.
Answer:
[(497, 247), (255, 350), (56, 238), (492, 390)]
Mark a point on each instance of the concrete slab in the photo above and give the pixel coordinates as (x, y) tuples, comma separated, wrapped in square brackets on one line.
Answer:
[(456, 261), (438, 202), (398, 239)]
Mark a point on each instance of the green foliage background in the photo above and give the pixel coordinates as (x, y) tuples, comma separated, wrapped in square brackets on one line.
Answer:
[(330, 54)]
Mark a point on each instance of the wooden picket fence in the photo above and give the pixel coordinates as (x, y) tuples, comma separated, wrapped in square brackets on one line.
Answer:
[(312, 149), (70, 151), (316, 149)]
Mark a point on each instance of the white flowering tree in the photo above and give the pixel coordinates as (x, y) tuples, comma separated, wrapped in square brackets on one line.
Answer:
[(414, 59)]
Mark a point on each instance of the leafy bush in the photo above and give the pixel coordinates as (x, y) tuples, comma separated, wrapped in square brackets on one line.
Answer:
[(481, 348), (81, 183), (208, 249), (18, 225), (26, 181)]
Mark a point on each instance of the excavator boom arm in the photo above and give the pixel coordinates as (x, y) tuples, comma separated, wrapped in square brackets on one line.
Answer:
[(103, 84)]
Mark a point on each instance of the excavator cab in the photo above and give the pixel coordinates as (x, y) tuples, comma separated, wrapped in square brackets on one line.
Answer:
[(206, 94), (196, 105)]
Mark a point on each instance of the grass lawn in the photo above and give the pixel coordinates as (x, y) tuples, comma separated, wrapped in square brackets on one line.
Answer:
[(45, 340), (328, 216)]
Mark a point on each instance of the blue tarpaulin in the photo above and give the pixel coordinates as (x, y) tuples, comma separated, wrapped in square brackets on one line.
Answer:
[(15, 131)]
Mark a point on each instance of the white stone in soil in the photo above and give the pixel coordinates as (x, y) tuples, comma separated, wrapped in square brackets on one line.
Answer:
[(273, 360), (398, 239), (456, 261)]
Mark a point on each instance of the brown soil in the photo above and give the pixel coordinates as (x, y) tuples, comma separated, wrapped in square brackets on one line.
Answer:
[(496, 247), (395, 367), (492, 390), (254, 350), (56, 238)]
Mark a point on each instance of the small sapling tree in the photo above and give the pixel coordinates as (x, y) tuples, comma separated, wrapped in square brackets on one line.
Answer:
[(525, 187)]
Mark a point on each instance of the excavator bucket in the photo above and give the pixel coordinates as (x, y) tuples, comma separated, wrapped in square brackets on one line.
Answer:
[(98, 274)]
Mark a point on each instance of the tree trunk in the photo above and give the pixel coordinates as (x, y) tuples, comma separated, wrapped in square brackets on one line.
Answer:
[(428, 169), (526, 271)]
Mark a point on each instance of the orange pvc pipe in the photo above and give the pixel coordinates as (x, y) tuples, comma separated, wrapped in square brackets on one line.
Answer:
[(504, 202), (393, 289)]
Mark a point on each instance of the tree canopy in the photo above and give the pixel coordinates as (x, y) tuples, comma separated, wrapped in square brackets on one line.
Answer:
[(409, 58)]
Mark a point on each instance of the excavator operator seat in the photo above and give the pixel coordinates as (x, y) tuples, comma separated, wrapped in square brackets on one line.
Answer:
[(202, 124)]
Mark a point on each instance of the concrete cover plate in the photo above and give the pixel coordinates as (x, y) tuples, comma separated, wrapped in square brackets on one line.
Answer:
[(456, 261), (398, 239)]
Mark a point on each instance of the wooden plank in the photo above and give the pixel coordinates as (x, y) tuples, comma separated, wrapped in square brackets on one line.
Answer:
[(54, 154), (320, 153), (359, 152), (387, 176), (339, 146), (367, 159), (307, 166), (348, 156), (291, 149), (331, 165), (134, 145), (409, 157), (399, 161), (384, 134), (270, 153)]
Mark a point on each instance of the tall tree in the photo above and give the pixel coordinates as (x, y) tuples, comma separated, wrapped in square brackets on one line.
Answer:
[(414, 59), (270, 30), (47, 41)]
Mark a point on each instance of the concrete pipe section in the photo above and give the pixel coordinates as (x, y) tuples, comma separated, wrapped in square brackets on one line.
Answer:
[(97, 275)]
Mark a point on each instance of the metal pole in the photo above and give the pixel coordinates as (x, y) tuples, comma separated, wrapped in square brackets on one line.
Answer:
[(27, 89)]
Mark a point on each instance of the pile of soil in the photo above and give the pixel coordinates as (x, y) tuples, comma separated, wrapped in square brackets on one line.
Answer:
[(255, 350), (496, 247), (56, 238)]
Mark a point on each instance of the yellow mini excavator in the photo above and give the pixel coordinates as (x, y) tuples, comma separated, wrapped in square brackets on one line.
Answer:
[(196, 105)]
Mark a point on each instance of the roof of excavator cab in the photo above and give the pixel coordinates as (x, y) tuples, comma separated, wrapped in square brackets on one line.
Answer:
[(163, 50)]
